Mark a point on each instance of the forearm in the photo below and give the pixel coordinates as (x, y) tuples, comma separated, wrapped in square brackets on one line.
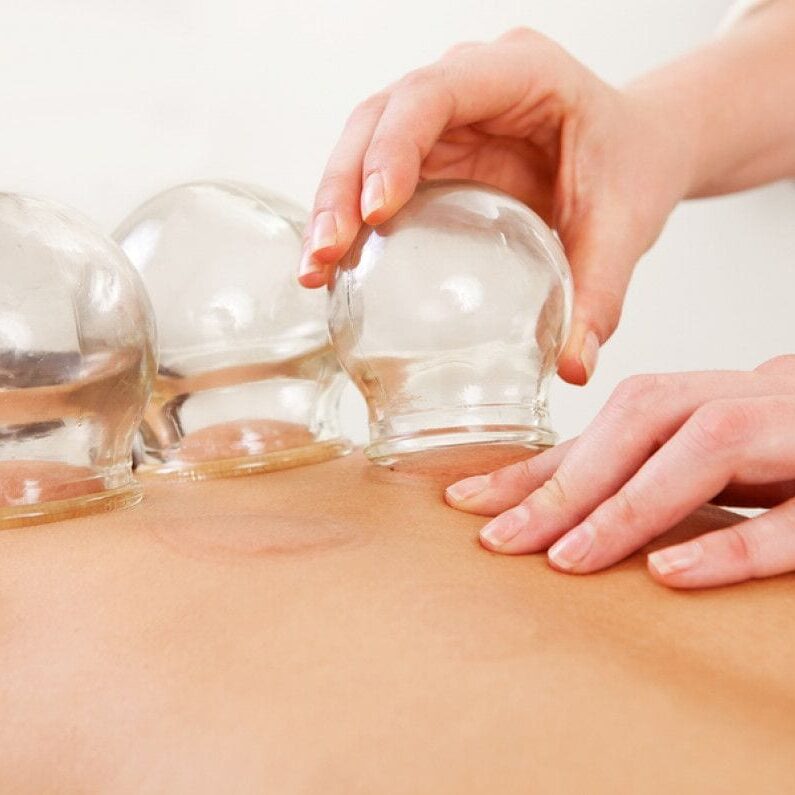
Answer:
[(732, 103)]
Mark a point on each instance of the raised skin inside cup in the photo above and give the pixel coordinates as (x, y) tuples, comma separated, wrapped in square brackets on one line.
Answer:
[(242, 438), (463, 460), (32, 482)]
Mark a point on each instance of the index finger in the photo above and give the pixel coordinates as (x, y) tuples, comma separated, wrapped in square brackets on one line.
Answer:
[(335, 218), (495, 86), (376, 166)]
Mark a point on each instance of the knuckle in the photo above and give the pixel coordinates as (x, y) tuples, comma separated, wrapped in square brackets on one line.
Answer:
[(521, 33), (526, 474), (521, 470), (624, 510), (638, 391), (742, 549), (367, 107), (784, 365), (420, 79), (459, 49), (720, 424), (551, 493)]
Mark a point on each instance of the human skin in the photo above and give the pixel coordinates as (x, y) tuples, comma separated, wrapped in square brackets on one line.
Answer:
[(337, 629), (676, 441), (605, 167)]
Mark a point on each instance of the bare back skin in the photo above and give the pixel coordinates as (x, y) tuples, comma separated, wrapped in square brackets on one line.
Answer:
[(337, 629)]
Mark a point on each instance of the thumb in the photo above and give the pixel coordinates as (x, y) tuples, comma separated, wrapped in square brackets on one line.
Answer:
[(602, 258)]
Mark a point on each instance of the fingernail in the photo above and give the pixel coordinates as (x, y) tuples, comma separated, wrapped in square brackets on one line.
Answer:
[(505, 527), (467, 488), (324, 231), (675, 559), (308, 265), (573, 547), (372, 195), (589, 354)]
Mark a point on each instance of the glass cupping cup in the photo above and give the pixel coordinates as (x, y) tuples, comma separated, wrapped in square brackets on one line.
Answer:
[(77, 360), (247, 379), (449, 318)]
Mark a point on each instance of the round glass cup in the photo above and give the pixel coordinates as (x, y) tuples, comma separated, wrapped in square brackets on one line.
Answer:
[(77, 360), (449, 318), (247, 381)]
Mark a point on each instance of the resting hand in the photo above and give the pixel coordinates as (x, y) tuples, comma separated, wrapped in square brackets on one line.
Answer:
[(661, 447), (604, 167)]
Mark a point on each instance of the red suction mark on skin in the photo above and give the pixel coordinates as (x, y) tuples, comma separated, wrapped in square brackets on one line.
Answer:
[(265, 535), (242, 438), (31, 482), (462, 461)]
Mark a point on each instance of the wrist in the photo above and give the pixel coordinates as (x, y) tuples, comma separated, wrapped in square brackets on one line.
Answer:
[(725, 102), (676, 119)]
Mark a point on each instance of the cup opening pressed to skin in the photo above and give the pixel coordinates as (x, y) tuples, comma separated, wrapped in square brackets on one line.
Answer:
[(34, 492), (244, 447), (459, 451)]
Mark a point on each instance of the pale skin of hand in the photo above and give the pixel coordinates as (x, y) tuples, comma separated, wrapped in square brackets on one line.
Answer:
[(524, 116), (665, 444), (605, 167), (662, 446)]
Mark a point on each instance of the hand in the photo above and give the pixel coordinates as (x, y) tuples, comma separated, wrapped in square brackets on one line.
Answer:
[(603, 167), (661, 447)]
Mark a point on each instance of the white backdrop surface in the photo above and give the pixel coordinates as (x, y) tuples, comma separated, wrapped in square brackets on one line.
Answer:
[(105, 102)]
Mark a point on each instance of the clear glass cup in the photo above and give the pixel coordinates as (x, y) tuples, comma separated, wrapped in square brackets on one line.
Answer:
[(247, 381), (77, 360), (450, 318)]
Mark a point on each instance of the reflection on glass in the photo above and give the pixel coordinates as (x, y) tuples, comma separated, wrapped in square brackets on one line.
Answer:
[(247, 380), (77, 361), (449, 318)]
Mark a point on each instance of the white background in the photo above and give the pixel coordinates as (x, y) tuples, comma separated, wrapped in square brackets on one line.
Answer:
[(104, 102)]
